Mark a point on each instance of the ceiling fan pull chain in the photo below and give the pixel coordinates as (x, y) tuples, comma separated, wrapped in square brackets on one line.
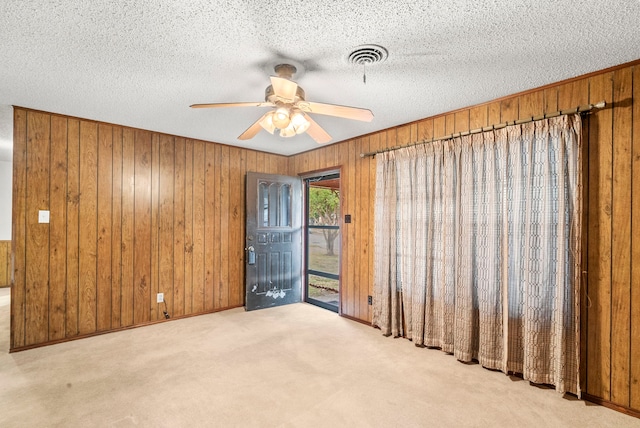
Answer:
[(364, 73)]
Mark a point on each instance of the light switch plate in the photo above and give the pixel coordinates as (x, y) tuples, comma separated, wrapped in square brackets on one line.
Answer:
[(43, 216)]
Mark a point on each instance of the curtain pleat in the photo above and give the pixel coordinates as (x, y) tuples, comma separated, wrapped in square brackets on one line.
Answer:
[(477, 248)]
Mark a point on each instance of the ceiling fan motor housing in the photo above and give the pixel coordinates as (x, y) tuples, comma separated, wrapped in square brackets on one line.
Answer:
[(271, 97), (285, 70)]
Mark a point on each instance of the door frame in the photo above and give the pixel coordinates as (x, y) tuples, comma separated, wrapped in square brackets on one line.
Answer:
[(305, 220)]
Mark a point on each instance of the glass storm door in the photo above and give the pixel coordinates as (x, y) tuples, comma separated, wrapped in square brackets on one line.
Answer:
[(273, 242), (323, 240)]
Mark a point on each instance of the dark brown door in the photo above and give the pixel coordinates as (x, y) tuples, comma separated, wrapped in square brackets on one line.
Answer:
[(273, 240)]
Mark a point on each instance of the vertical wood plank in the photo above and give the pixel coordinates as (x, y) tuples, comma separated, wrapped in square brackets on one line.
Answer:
[(363, 215), (345, 296), (252, 160), (621, 232), (352, 243), (635, 247), (306, 165), (584, 259), (72, 302), (414, 132), (337, 159), (425, 130), (478, 117), (294, 165), (260, 156), (268, 162), (493, 111), (5, 263), (198, 226), (573, 94), (275, 163), (116, 229), (509, 109), (376, 141), (88, 218), (291, 161), (461, 121), (235, 227), (599, 244), (305, 162), (58, 228), (212, 243), (283, 163), (313, 160), (166, 225), (531, 104), (328, 156), (403, 137), (179, 229), (37, 245), (19, 229), (355, 195), (222, 285), (449, 123), (304, 157), (439, 128), (188, 228), (550, 100), (128, 226), (142, 229), (104, 243)]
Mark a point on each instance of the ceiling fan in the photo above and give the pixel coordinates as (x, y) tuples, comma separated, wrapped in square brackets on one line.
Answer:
[(289, 116)]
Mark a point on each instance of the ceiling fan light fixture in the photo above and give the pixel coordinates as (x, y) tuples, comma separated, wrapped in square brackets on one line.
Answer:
[(287, 132), (281, 118), (299, 123), (267, 123)]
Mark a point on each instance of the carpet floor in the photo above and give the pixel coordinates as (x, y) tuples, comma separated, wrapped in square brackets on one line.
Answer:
[(292, 366)]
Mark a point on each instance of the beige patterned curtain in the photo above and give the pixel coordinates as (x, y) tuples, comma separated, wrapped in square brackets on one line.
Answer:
[(477, 248)]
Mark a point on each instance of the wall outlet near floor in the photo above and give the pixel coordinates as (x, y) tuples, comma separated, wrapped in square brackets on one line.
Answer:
[(370, 300), (160, 297)]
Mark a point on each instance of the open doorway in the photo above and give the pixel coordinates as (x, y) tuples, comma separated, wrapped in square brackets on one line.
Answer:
[(323, 240)]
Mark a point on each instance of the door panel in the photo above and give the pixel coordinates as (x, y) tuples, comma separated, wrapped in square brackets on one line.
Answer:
[(273, 240)]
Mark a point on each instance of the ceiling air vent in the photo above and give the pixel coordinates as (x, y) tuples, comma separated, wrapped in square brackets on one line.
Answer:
[(367, 54)]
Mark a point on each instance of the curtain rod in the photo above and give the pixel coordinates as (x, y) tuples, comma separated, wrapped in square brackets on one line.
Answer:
[(580, 109)]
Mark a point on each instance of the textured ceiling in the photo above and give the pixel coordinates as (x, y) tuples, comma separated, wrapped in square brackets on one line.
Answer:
[(142, 63)]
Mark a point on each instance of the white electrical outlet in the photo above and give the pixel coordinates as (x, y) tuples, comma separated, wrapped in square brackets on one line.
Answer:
[(160, 297), (43, 216)]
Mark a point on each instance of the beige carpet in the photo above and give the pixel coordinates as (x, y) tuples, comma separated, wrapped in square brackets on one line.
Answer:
[(293, 366)]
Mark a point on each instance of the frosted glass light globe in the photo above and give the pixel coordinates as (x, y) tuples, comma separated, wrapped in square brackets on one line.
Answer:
[(281, 118)]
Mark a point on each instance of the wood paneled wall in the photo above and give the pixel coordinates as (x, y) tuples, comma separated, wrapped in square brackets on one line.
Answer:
[(5, 263), (611, 165), (132, 213)]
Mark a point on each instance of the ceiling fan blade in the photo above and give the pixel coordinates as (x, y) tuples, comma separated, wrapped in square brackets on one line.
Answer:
[(253, 130), (316, 132), (216, 105), (284, 88), (355, 113)]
